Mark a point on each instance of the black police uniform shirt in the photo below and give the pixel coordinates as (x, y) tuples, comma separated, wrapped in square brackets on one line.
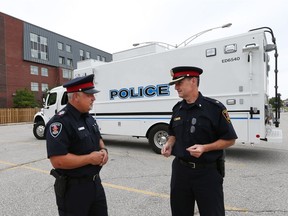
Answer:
[(202, 122), (70, 131)]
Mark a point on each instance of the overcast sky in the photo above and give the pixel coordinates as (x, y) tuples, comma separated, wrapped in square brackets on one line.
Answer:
[(114, 25)]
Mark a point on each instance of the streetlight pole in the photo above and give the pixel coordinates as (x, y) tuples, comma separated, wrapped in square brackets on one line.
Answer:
[(155, 42), (185, 42), (193, 37)]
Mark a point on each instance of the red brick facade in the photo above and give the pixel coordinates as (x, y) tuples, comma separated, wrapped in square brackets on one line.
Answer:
[(14, 71)]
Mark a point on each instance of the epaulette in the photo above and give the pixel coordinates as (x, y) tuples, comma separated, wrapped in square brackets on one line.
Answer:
[(177, 104), (214, 101), (61, 112)]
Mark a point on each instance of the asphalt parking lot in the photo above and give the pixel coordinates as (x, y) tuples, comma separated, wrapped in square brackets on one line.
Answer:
[(136, 180)]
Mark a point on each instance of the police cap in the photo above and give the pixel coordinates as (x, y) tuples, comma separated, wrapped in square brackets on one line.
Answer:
[(81, 84), (179, 73)]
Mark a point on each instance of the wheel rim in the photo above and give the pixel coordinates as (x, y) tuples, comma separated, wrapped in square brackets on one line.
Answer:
[(160, 138), (40, 130)]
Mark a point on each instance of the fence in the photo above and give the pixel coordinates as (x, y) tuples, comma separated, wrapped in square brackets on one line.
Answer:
[(16, 115)]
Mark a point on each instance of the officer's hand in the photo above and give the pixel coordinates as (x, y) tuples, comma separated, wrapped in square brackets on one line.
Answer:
[(96, 157), (196, 150), (166, 150), (105, 158)]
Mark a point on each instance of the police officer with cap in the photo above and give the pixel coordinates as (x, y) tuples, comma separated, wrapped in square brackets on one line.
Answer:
[(77, 153), (199, 131)]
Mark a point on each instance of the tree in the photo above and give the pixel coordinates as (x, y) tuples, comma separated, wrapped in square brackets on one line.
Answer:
[(272, 101), (24, 99)]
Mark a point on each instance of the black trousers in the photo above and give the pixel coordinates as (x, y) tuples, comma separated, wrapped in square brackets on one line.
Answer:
[(203, 185), (83, 198)]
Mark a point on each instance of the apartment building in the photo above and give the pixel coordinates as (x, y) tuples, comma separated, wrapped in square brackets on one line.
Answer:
[(37, 59)]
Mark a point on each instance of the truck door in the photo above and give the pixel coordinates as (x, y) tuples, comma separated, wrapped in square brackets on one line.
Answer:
[(64, 101), (51, 106), (54, 103)]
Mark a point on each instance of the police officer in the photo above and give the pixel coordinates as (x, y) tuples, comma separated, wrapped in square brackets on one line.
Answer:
[(77, 153), (199, 131)]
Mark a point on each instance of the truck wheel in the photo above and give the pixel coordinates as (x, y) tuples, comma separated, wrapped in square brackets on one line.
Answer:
[(38, 130), (157, 137)]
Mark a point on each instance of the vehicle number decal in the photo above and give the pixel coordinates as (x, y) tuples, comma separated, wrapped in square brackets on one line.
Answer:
[(230, 60)]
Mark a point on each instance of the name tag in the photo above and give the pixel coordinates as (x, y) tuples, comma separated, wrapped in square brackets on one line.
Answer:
[(177, 118), (81, 128)]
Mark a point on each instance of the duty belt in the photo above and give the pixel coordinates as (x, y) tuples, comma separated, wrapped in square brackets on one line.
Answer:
[(194, 165), (83, 179)]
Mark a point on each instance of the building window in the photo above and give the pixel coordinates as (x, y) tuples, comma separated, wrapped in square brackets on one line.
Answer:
[(69, 62), (33, 37), (44, 87), (44, 56), (34, 53), (44, 72), (68, 48), (88, 56), (61, 60), (103, 59), (82, 57), (34, 45), (34, 86), (60, 46), (39, 46), (67, 74), (34, 70), (43, 48)]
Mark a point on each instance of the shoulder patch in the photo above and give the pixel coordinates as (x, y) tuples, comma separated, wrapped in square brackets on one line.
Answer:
[(226, 115), (55, 129)]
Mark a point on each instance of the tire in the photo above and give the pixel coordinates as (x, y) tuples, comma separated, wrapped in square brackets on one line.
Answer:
[(38, 130), (157, 137)]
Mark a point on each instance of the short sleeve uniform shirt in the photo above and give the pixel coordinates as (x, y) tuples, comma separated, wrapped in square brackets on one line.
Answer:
[(70, 131)]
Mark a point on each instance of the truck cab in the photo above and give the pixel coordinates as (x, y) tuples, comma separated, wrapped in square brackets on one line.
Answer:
[(55, 100)]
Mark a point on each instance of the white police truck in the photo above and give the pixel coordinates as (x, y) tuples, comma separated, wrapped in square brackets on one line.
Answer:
[(136, 100)]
